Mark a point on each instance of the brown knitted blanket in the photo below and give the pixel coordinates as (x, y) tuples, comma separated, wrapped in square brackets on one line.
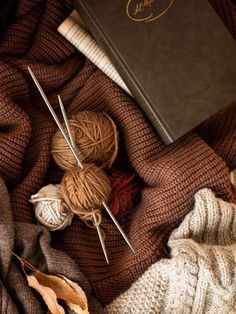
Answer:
[(171, 174)]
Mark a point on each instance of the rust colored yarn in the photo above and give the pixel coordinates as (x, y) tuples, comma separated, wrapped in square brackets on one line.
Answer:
[(124, 191), (95, 136), (84, 190)]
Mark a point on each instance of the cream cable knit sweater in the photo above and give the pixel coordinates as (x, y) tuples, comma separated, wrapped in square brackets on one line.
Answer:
[(200, 277)]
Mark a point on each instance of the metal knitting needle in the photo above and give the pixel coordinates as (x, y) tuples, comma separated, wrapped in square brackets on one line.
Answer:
[(74, 153), (69, 131), (81, 166)]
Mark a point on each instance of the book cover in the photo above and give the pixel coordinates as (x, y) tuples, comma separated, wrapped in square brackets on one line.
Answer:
[(176, 57)]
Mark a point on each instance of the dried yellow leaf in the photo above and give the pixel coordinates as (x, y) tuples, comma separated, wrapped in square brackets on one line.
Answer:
[(47, 294), (53, 287), (66, 290), (72, 305)]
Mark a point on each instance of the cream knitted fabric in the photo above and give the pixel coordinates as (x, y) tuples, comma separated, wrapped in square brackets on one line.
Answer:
[(200, 276)]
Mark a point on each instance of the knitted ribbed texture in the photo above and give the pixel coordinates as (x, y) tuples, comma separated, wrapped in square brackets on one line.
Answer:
[(200, 276), (171, 174)]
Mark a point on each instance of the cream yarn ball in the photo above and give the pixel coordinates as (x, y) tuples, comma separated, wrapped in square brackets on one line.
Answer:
[(50, 209)]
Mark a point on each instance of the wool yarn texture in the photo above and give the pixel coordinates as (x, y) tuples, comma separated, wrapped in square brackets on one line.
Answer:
[(125, 190), (50, 209), (95, 136), (84, 190)]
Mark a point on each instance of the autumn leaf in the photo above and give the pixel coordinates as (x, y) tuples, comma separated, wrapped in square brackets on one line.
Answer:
[(66, 290), (83, 303), (53, 287), (47, 294)]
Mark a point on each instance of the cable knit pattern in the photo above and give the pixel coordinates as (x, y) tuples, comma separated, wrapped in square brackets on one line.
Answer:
[(200, 276)]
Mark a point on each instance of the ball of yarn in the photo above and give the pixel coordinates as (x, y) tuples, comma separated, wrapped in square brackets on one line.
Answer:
[(84, 190), (50, 208), (125, 191), (95, 136)]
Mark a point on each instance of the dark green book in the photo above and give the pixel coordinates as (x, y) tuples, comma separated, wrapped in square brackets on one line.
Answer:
[(176, 57)]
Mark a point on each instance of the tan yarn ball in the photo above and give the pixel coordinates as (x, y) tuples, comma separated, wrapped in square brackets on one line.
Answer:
[(84, 190), (95, 136), (50, 208)]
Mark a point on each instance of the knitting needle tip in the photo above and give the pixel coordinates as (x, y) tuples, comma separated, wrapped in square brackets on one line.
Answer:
[(118, 226), (100, 238)]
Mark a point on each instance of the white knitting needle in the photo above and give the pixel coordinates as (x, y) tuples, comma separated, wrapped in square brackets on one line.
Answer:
[(81, 166), (74, 153)]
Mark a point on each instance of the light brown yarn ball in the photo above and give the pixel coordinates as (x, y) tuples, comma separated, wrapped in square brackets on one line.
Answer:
[(95, 136), (50, 208), (84, 190)]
